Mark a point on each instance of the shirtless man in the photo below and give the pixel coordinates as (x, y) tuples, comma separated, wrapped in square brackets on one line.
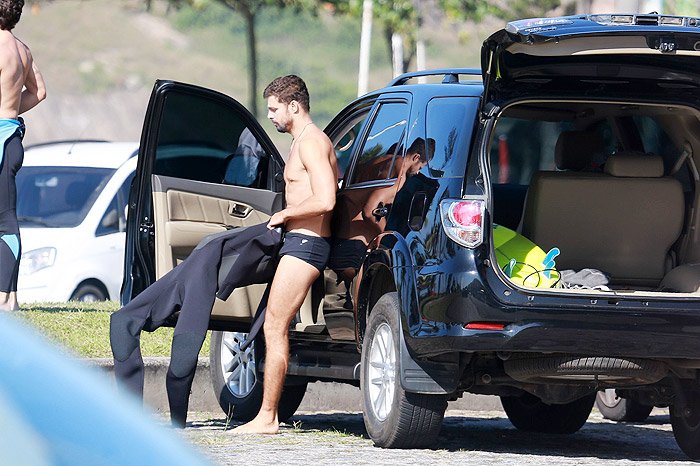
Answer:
[(310, 177), (21, 88)]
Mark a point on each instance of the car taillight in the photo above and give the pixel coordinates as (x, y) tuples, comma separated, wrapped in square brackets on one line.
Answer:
[(462, 220)]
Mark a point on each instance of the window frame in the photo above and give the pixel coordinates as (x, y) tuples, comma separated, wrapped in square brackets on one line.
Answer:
[(402, 98)]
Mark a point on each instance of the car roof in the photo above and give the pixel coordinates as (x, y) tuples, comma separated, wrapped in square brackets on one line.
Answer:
[(101, 154)]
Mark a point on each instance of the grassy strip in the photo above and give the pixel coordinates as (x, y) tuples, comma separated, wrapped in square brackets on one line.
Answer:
[(83, 328)]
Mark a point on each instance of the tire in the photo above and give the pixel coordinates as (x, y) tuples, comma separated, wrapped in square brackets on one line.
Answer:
[(619, 409), (88, 293), (529, 413), (686, 428), (567, 368), (238, 385), (393, 417)]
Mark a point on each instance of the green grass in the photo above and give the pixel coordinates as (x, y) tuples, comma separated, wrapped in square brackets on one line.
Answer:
[(83, 329)]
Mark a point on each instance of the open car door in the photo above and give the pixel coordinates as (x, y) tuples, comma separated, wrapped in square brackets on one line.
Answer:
[(205, 165)]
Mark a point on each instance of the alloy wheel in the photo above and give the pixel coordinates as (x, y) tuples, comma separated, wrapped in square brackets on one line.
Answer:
[(238, 366), (382, 372)]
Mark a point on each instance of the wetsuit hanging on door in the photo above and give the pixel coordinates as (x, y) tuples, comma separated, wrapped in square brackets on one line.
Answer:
[(218, 265), (11, 157)]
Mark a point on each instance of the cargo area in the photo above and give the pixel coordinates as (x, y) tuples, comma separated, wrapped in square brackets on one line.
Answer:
[(607, 188)]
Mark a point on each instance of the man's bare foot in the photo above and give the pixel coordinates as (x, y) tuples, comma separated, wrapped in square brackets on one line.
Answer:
[(8, 301), (258, 426)]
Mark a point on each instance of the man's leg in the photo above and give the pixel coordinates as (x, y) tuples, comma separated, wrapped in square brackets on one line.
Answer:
[(292, 281)]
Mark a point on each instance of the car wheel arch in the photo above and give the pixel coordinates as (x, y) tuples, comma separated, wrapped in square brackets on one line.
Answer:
[(91, 282), (387, 269)]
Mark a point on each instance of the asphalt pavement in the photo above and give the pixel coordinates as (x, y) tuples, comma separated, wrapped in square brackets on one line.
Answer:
[(328, 429), (467, 438)]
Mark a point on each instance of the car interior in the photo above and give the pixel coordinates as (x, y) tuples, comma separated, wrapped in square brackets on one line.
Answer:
[(613, 186)]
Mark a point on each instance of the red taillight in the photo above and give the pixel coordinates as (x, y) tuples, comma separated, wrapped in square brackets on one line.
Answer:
[(466, 214), (462, 220), (484, 326)]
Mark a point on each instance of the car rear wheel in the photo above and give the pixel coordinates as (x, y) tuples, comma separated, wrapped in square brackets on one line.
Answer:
[(88, 293), (237, 381), (686, 425), (619, 409), (393, 417), (529, 413)]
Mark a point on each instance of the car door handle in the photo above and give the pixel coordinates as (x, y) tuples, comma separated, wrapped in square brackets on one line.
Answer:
[(238, 210), (380, 211)]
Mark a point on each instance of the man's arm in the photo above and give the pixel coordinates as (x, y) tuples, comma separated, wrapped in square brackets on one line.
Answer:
[(313, 154), (34, 89)]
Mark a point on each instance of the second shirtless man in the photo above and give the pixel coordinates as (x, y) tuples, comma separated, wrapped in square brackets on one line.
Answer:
[(310, 188), (21, 89)]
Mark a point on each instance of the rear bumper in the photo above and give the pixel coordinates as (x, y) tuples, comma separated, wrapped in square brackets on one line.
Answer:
[(620, 332)]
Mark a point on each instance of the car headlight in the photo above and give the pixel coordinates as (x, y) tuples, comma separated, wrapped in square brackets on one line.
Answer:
[(36, 259)]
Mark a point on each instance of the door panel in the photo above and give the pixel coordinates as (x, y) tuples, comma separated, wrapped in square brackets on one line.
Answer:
[(185, 212), (205, 165)]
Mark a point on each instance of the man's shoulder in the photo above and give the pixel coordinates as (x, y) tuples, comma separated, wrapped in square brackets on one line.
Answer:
[(316, 140)]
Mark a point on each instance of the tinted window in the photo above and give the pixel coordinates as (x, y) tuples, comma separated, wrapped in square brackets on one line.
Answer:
[(205, 140), (521, 147), (383, 143), (109, 223), (346, 144), (58, 196), (449, 125), (114, 219)]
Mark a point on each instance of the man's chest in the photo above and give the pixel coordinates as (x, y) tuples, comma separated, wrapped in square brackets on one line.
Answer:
[(294, 170)]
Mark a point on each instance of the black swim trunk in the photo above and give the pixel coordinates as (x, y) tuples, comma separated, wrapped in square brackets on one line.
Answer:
[(313, 250)]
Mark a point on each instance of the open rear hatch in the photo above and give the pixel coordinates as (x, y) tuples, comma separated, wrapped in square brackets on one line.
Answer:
[(594, 151), (642, 52)]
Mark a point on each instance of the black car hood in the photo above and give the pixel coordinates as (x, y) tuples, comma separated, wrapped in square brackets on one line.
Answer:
[(651, 52)]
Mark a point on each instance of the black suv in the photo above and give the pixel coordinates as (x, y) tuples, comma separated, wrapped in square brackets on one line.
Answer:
[(581, 133)]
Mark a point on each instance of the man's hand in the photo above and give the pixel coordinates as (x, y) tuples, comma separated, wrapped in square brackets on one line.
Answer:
[(278, 219)]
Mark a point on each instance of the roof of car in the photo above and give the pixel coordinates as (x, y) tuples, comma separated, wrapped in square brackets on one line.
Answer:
[(100, 154)]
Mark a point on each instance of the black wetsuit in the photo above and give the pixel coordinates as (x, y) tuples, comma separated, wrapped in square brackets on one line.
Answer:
[(218, 265), (11, 132)]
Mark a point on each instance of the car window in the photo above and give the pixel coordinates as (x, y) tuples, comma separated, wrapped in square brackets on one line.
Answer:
[(58, 196), (348, 141), (195, 145), (522, 147), (449, 125), (109, 223), (383, 143), (114, 218)]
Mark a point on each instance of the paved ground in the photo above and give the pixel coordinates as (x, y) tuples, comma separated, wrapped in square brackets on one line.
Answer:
[(468, 438)]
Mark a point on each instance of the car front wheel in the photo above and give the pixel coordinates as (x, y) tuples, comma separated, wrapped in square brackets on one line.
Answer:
[(237, 381), (88, 293), (393, 417)]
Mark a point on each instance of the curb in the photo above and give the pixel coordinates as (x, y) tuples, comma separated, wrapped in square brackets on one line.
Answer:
[(320, 396)]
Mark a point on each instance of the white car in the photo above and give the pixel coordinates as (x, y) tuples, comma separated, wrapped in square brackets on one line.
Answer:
[(71, 205)]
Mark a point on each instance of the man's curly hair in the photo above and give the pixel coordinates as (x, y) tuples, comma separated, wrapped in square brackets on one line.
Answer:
[(10, 11), (288, 88)]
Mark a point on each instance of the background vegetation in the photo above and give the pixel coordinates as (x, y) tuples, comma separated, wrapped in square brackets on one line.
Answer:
[(100, 58), (82, 329)]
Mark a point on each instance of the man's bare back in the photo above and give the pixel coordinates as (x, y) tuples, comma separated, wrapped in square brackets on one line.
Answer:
[(21, 88), (18, 72)]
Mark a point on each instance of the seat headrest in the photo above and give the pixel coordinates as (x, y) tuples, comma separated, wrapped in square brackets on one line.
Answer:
[(576, 149), (635, 165)]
